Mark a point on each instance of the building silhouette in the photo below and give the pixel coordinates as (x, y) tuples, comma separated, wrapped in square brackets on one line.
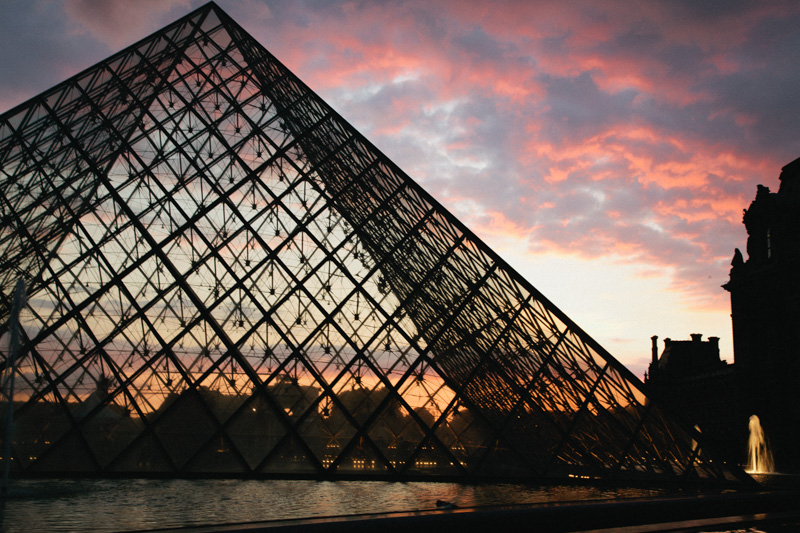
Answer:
[(693, 382), (225, 277), (765, 312)]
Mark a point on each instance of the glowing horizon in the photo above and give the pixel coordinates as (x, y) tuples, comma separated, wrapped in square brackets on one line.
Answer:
[(604, 150)]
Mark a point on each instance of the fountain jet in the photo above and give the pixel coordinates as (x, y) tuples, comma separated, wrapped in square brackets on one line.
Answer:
[(759, 458)]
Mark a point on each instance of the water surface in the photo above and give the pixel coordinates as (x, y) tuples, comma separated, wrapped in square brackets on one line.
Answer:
[(141, 504)]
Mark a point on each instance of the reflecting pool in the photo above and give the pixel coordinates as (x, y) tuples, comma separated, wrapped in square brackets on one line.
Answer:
[(140, 504)]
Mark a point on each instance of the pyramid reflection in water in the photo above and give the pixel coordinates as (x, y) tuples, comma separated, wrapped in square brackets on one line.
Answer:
[(225, 277)]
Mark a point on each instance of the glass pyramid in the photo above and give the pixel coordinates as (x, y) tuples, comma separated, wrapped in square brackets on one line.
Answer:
[(225, 277)]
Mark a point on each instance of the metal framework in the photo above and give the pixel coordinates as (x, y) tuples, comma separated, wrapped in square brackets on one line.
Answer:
[(224, 276)]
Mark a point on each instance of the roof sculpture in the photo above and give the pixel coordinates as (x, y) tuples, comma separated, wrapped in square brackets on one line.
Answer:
[(224, 276)]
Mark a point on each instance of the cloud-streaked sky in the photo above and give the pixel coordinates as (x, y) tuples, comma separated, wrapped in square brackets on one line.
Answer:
[(605, 149)]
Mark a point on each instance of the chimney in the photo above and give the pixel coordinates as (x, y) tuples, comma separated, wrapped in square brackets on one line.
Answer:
[(696, 337), (654, 338)]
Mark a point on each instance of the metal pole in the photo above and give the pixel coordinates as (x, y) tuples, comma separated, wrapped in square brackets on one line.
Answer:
[(13, 352)]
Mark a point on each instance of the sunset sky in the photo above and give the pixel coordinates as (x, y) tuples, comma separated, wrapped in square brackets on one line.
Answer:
[(604, 149)]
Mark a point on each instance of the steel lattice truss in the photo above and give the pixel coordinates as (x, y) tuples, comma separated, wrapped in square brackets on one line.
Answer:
[(224, 276)]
